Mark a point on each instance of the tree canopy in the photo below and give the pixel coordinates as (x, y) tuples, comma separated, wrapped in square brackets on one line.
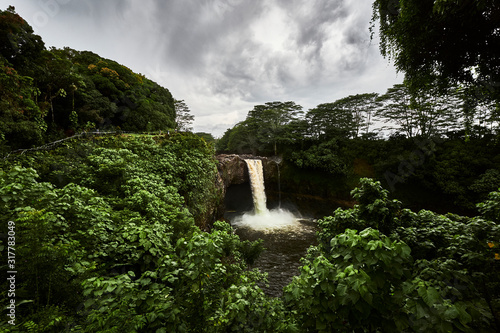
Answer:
[(50, 93), (454, 41), (265, 127), (346, 117)]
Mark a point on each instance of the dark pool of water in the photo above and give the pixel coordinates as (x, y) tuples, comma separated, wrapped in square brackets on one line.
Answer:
[(284, 246), (284, 249)]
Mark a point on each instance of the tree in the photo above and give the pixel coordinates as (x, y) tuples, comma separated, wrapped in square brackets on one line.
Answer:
[(18, 43), (396, 107), (242, 138), (264, 128), (21, 120), (328, 120), (455, 41), (57, 76), (323, 156), (346, 117), (208, 137), (183, 117), (268, 121), (362, 106), (481, 115), (423, 112)]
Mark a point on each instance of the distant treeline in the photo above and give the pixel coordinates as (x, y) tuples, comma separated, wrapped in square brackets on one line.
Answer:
[(401, 112), (441, 153)]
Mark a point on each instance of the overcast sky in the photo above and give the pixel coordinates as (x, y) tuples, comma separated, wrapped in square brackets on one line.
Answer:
[(222, 57)]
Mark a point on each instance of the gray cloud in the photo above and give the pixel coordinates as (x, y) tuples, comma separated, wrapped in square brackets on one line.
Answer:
[(224, 56), (194, 31), (312, 20)]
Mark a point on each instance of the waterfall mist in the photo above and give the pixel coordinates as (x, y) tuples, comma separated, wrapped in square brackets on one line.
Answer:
[(271, 219), (262, 218)]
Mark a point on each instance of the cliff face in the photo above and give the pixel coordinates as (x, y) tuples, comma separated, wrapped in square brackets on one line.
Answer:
[(311, 193), (233, 169)]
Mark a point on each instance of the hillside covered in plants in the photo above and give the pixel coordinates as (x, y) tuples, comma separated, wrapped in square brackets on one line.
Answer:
[(121, 231), (112, 236), (47, 94)]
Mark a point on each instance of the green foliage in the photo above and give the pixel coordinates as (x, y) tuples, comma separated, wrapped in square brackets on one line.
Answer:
[(323, 156), (490, 209), (459, 165), (182, 293), (374, 210), (425, 112), (18, 43), (240, 139), (265, 127), (207, 137), (356, 286), (21, 120), (451, 40), (487, 182), (184, 119), (112, 242), (72, 88), (112, 95), (246, 309), (346, 117), (451, 286)]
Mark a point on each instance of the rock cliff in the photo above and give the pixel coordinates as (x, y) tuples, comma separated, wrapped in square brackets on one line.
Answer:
[(310, 193), (233, 169)]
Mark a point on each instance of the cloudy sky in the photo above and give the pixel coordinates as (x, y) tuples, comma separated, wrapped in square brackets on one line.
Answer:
[(222, 57)]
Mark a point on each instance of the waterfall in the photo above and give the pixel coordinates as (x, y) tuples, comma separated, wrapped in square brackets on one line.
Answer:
[(262, 218), (279, 186), (256, 174)]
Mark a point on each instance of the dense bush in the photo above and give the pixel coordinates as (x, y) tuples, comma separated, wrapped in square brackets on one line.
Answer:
[(107, 241), (108, 225), (366, 281)]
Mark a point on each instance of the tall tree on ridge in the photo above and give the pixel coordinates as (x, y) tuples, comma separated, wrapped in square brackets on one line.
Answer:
[(183, 117), (269, 121), (419, 113), (346, 117)]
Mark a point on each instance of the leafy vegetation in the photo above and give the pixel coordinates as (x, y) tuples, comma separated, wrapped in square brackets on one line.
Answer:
[(379, 267), (123, 253), (429, 40), (118, 233), (112, 227), (48, 94)]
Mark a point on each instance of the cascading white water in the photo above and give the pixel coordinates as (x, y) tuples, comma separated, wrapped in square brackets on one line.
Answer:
[(286, 238), (262, 218), (256, 174)]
